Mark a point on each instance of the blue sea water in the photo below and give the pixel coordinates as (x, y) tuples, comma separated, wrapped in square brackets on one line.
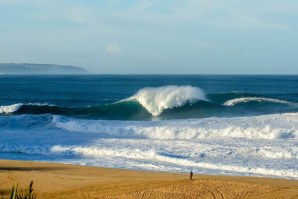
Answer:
[(93, 96), (227, 124)]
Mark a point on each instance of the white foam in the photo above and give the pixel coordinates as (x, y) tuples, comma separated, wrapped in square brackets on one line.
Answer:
[(144, 156), (235, 101), (156, 100), (278, 153), (275, 126), (10, 108), (257, 146), (152, 155)]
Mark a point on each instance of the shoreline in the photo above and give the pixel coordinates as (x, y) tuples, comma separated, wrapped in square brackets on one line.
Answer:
[(56, 180)]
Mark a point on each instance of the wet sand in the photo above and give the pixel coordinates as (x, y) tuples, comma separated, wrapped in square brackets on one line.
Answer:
[(70, 181)]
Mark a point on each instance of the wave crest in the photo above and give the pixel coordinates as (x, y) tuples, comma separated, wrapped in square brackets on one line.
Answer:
[(235, 101), (10, 108), (17, 107), (156, 100)]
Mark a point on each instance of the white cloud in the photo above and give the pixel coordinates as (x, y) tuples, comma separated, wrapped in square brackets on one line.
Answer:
[(114, 48), (230, 14), (27, 3), (142, 5), (80, 15), (160, 32)]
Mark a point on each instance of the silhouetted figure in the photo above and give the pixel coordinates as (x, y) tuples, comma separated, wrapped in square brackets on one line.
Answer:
[(190, 175)]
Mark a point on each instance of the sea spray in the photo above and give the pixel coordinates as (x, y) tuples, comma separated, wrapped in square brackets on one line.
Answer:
[(156, 100)]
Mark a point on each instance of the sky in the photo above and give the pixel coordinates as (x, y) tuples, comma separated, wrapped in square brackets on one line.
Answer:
[(153, 36)]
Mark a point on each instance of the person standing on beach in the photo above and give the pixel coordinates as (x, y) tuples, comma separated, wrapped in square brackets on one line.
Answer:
[(190, 175)]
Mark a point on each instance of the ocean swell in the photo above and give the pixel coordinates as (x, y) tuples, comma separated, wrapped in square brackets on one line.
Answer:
[(163, 103)]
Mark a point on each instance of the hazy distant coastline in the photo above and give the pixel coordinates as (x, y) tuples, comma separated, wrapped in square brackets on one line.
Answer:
[(28, 68)]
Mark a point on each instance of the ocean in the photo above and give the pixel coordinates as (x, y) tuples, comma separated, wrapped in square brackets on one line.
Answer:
[(211, 124)]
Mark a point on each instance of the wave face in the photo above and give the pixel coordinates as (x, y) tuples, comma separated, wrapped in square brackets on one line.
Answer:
[(156, 100), (226, 125)]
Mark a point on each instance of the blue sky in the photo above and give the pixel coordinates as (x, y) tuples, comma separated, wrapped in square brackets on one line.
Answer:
[(153, 36)]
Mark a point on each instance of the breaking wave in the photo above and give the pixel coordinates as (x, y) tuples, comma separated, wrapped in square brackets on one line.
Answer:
[(236, 101), (9, 108), (156, 100)]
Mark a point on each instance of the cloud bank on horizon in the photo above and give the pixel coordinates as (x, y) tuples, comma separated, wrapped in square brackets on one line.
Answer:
[(151, 36)]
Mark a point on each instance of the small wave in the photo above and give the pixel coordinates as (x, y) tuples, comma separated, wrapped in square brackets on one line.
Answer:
[(156, 100), (235, 101), (17, 107), (10, 108)]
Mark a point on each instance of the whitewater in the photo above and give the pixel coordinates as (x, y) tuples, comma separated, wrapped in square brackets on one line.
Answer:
[(260, 145), (172, 128), (156, 100)]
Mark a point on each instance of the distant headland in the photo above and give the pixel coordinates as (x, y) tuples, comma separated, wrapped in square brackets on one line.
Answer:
[(47, 69)]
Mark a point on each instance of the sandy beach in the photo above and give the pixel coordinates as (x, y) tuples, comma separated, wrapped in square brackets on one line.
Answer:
[(71, 181)]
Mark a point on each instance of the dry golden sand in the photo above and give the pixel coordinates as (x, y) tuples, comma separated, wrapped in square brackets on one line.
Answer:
[(70, 181)]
